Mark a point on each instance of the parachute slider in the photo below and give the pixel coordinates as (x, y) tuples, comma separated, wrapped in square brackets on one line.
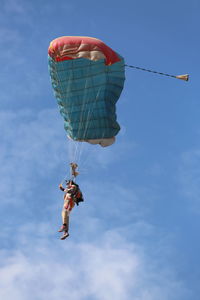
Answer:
[(74, 166), (184, 77)]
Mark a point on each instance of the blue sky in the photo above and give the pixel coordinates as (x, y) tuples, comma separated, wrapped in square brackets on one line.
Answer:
[(136, 235)]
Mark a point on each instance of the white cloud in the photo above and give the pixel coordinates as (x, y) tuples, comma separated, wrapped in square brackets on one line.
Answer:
[(110, 268), (30, 149)]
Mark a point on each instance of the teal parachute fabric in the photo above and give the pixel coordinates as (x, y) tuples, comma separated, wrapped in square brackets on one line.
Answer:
[(86, 92)]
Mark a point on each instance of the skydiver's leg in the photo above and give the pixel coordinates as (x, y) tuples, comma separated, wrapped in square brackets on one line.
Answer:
[(65, 227), (68, 206), (65, 218), (65, 221)]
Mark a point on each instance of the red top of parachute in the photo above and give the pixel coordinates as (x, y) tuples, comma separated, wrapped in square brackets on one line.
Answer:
[(73, 47)]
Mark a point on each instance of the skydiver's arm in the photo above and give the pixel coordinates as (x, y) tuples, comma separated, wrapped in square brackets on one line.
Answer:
[(61, 187)]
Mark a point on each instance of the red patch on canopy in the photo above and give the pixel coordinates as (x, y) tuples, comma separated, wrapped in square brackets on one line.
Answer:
[(75, 44)]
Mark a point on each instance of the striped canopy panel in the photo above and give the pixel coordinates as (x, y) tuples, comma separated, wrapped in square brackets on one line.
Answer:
[(87, 77)]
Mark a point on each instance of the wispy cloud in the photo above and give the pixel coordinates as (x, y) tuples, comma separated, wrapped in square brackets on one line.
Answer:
[(28, 149), (109, 268)]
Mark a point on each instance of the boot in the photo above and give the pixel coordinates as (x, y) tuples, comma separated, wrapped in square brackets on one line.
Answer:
[(65, 235)]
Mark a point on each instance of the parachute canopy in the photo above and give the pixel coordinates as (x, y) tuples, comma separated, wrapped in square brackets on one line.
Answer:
[(87, 77)]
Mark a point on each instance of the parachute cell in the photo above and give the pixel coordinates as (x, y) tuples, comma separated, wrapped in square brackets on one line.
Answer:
[(87, 77)]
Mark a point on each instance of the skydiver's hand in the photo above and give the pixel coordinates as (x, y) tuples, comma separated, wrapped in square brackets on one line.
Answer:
[(61, 187)]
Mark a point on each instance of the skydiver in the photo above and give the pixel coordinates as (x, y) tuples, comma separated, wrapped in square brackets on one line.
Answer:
[(72, 195)]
